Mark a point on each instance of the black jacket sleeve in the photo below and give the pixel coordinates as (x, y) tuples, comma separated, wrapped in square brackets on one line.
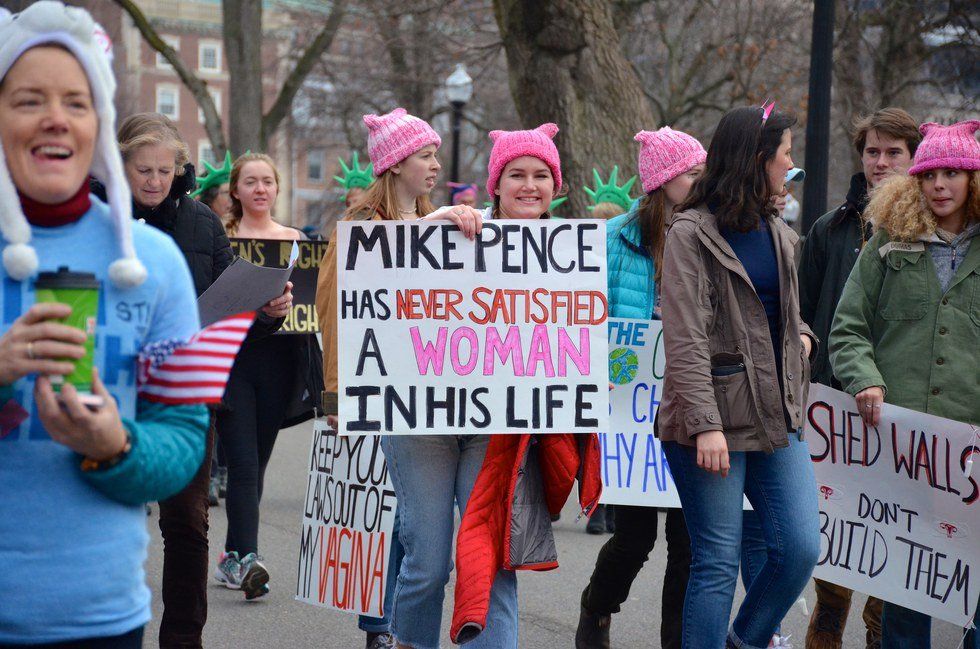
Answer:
[(222, 256), (812, 270)]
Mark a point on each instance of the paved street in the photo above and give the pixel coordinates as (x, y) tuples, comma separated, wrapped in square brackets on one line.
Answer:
[(549, 601)]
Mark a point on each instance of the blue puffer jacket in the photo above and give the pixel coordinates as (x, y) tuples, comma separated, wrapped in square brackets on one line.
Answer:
[(632, 290)]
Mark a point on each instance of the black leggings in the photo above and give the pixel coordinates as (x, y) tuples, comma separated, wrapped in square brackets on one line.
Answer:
[(261, 385), (621, 558)]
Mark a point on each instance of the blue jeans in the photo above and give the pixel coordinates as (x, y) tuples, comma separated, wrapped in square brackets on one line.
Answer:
[(902, 627), (783, 493), (383, 624), (754, 551), (432, 474)]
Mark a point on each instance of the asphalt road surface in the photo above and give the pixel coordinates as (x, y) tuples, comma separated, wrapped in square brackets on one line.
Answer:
[(549, 601)]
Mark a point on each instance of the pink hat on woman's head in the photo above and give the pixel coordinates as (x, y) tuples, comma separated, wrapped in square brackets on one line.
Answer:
[(395, 136), (949, 147), (510, 145), (666, 154)]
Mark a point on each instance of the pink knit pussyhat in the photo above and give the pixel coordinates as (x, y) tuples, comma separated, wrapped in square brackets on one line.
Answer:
[(666, 154), (395, 136), (947, 147), (510, 145)]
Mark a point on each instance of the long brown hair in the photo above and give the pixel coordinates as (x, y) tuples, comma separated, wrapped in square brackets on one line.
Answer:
[(381, 199), (651, 215), (235, 215), (735, 178)]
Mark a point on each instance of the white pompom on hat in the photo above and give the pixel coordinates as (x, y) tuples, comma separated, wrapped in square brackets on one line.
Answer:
[(47, 22)]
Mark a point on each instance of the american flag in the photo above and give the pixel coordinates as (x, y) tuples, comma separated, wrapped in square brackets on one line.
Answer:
[(195, 371)]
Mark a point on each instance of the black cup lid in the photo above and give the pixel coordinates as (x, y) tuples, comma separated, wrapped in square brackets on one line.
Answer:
[(65, 278)]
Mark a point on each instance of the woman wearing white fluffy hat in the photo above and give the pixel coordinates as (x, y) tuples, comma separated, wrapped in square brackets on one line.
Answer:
[(77, 463)]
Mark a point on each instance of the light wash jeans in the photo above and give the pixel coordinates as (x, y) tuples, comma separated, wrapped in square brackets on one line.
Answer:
[(383, 624), (783, 493), (432, 474)]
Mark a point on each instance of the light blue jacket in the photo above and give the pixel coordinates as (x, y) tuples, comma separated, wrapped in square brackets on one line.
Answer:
[(630, 275)]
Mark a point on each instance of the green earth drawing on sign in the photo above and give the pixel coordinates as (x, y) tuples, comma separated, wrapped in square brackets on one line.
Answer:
[(623, 365)]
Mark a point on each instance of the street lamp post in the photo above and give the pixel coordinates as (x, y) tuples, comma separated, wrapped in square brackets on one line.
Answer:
[(459, 90)]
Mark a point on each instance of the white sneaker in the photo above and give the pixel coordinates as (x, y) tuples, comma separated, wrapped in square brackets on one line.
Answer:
[(780, 642)]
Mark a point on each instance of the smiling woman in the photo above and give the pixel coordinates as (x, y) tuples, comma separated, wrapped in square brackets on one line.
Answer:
[(48, 166), (94, 461)]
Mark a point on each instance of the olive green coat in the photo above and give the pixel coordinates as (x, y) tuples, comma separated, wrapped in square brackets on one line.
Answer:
[(895, 328)]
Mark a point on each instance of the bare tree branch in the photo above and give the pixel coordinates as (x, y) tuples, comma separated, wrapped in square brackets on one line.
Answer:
[(322, 42), (197, 86)]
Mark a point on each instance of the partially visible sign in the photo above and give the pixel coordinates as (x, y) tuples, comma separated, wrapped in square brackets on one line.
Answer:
[(348, 514), (274, 253), (899, 513)]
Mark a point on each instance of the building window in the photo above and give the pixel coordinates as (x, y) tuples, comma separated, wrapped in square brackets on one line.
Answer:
[(204, 154), (168, 101), (172, 41), (209, 56), (314, 166), (216, 98)]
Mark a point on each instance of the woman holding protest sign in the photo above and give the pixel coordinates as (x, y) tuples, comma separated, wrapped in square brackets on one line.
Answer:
[(523, 480), (669, 162), (273, 385), (403, 151), (735, 383), (907, 329), (82, 451)]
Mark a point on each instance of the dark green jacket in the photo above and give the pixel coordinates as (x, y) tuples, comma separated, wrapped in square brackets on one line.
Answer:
[(895, 328), (829, 252)]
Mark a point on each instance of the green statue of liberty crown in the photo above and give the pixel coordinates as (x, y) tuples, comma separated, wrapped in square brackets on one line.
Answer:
[(610, 192), (354, 175), (213, 176)]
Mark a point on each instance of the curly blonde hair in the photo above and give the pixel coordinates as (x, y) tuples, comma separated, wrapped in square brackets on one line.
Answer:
[(899, 207)]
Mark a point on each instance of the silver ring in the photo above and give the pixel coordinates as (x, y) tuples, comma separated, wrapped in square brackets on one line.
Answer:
[(458, 212), (868, 406), (30, 350), (877, 406)]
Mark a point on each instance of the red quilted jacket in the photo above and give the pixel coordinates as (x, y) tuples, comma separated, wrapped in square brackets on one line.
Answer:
[(524, 480)]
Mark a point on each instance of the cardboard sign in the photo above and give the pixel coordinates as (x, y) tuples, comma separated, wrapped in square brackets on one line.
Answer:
[(274, 253), (443, 335), (348, 516), (899, 516)]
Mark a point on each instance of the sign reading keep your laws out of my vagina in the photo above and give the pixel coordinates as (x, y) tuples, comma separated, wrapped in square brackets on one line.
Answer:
[(439, 334)]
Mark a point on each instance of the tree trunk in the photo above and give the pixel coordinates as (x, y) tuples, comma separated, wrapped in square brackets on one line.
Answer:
[(566, 66), (242, 23)]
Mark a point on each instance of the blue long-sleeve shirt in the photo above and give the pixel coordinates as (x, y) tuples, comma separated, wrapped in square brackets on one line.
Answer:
[(72, 544)]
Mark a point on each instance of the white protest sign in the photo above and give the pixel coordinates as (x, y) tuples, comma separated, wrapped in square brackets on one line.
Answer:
[(899, 518), (348, 516), (634, 469), (443, 335)]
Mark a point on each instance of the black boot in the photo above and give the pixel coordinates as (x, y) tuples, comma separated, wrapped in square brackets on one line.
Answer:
[(593, 631), (597, 521)]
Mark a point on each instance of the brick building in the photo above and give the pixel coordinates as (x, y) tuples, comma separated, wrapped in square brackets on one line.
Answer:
[(193, 28)]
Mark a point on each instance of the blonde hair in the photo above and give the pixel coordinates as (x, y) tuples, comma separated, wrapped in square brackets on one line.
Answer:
[(899, 207), (149, 129), (606, 210), (236, 212), (382, 200)]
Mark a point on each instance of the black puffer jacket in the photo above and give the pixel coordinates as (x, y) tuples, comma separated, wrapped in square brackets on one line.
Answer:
[(197, 230), (199, 234)]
